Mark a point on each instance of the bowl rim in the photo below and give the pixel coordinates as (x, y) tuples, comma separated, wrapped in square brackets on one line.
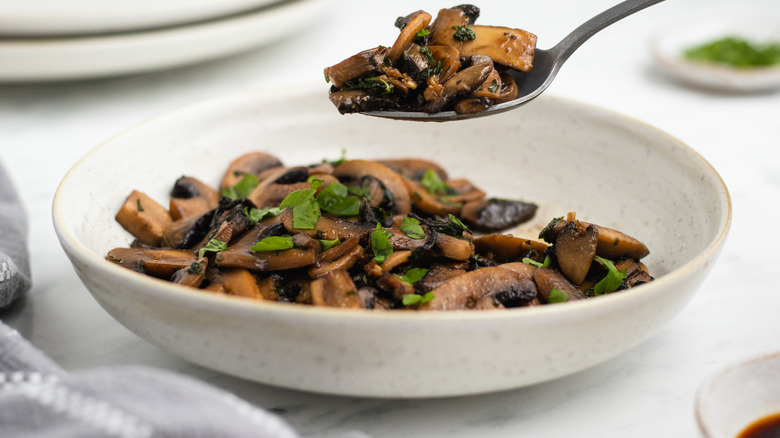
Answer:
[(181, 295)]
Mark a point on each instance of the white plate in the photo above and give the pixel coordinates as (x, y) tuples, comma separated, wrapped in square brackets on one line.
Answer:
[(52, 59), (562, 155), (667, 47), (80, 17)]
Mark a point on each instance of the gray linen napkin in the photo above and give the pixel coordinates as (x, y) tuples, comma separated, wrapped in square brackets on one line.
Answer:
[(14, 265), (39, 399)]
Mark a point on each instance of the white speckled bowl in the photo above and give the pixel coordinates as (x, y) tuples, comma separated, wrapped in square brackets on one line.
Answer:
[(563, 155)]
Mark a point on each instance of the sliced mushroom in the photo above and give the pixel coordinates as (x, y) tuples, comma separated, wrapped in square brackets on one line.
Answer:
[(481, 289), (636, 272), (575, 248), (336, 289), (436, 276), (428, 203), (460, 84), (521, 268), (612, 244), (237, 282), (364, 63), (144, 218), (507, 248), (274, 194), (329, 228), (546, 279), (444, 27), (357, 101), (343, 263), (161, 263), (513, 48), (192, 275), (393, 182), (454, 248), (497, 214), (415, 22), (253, 163), (414, 168), (192, 197)]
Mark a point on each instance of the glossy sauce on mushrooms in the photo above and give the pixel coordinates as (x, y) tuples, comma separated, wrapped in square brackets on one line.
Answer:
[(368, 234)]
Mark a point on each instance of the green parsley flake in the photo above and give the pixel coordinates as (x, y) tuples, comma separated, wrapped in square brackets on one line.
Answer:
[(464, 33), (493, 86), (545, 263), (434, 184), (334, 198), (273, 243), (305, 209), (138, 206), (412, 299), (735, 52), (557, 296), (243, 188), (360, 192), (373, 83), (213, 245), (380, 243), (413, 275), (612, 281), (422, 33), (315, 182), (328, 244), (411, 227), (256, 215)]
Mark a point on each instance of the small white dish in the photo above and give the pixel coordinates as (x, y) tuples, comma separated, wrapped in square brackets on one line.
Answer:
[(667, 47), (562, 155), (743, 393), (71, 58), (39, 18)]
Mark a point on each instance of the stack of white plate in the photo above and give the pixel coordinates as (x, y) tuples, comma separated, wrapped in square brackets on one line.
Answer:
[(50, 40)]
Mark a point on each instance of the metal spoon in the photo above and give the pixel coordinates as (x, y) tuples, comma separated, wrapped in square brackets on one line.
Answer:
[(546, 66)]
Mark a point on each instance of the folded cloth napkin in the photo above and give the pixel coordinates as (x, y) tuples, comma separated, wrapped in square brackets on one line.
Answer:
[(14, 266), (40, 399)]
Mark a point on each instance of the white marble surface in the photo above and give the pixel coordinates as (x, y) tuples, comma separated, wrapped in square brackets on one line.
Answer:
[(647, 392)]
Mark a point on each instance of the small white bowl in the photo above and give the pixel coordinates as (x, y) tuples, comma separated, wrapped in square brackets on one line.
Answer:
[(564, 156), (731, 400), (667, 47)]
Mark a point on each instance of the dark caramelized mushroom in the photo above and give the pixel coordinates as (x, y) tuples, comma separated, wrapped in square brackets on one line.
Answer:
[(548, 279), (192, 197), (336, 289), (415, 22), (497, 214), (160, 263), (393, 182), (364, 63), (461, 84)]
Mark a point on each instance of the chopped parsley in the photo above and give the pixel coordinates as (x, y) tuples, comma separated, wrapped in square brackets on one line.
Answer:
[(195, 268), (315, 182), (549, 226), (411, 227), (434, 66), (434, 184), (464, 33), (413, 275), (340, 160), (735, 52), (557, 296), (380, 243), (213, 245), (493, 86), (412, 299), (328, 244), (612, 281), (360, 192), (545, 263), (422, 33), (273, 243), (305, 209), (334, 198), (138, 206), (256, 215), (243, 188), (373, 83)]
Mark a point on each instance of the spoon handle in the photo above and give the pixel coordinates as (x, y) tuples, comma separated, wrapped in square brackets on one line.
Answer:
[(574, 40)]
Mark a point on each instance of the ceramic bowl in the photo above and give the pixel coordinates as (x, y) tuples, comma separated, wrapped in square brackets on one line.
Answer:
[(668, 45), (736, 397), (563, 155)]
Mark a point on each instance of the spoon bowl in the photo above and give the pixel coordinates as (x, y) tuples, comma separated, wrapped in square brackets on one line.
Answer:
[(547, 63)]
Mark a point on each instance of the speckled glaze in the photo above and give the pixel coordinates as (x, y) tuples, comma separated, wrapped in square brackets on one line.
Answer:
[(563, 155)]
